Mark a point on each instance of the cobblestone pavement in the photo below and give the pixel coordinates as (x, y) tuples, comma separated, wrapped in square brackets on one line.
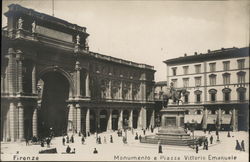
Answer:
[(131, 151)]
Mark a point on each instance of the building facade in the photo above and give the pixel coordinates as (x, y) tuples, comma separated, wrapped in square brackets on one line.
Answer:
[(217, 85), (50, 79)]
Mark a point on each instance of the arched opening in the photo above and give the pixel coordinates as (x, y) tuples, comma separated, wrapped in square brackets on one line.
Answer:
[(54, 112), (115, 115), (135, 118), (103, 120), (92, 121), (125, 116)]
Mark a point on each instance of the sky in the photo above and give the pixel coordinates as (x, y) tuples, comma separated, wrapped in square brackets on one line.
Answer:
[(150, 31)]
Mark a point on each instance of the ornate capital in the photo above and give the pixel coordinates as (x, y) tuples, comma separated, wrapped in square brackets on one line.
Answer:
[(78, 67), (20, 23)]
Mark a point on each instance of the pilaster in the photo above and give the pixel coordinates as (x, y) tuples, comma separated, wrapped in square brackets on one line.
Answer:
[(34, 122), (78, 118)]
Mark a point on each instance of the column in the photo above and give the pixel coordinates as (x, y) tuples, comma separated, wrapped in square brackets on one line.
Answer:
[(152, 121), (78, 79), (120, 93), (34, 91), (144, 117), (11, 71), (87, 85), (109, 90), (205, 119), (78, 118), (109, 126), (131, 119), (34, 122), (20, 121), (235, 120), (143, 91), (12, 121), (139, 121), (70, 118), (97, 120), (219, 117), (131, 91), (87, 120), (120, 121), (19, 58)]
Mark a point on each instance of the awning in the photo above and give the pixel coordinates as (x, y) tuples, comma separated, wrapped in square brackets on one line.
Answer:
[(226, 119), (211, 119), (193, 118)]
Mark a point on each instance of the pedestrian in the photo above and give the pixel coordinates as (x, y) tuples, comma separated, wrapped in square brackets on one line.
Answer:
[(68, 149), (159, 148), (74, 151), (197, 148), (140, 138), (238, 147), (42, 143), (136, 136), (48, 142), (83, 140), (242, 145), (72, 139), (27, 141), (63, 141), (104, 140), (211, 140), (228, 134), (111, 139), (67, 139), (144, 131), (95, 151), (99, 140)]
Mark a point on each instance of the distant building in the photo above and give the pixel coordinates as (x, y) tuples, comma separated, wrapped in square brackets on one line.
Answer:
[(217, 85), (160, 87)]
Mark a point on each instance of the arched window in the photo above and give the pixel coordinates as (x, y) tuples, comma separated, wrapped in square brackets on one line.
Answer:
[(226, 78), (186, 97), (198, 95), (241, 76), (227, 94), (212, 93), (241, 93), (212, 79)]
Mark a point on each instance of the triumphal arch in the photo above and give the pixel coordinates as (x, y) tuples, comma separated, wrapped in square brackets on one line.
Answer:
[(50, 79)]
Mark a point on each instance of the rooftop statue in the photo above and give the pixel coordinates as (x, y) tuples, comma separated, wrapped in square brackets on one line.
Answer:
[(20, 23)]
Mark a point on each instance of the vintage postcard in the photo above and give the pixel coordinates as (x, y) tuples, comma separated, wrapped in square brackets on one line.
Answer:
[(124, 80)]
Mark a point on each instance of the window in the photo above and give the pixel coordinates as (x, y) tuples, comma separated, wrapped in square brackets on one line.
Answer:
[(198, 112), (241, 63), (213, 111), (185, 70), (212, 79), (212, 93), (212, 67), (198, 95), (197, 68), (226, 92), (226, 65), (174, 71), (197, 81), (226, 78), (198, 98), (174, 81), (185, 82), (241, 93), (186, 98), (241, 76)]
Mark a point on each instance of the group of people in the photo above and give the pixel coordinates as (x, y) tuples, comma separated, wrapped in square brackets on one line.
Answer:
[(67, 140), (240, 146)]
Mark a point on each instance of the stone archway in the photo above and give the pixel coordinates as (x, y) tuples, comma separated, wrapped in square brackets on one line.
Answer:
[(93, 123), (103, 120), (135, 118), (52, 117), (115, 117)]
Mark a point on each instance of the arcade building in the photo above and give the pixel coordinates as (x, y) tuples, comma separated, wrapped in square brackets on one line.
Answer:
[(50, 79)]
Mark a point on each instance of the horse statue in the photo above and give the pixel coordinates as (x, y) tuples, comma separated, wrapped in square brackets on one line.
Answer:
[(173, 94)]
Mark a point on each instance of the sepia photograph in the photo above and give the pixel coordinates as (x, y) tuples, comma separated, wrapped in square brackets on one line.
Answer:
[(125, 80)]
